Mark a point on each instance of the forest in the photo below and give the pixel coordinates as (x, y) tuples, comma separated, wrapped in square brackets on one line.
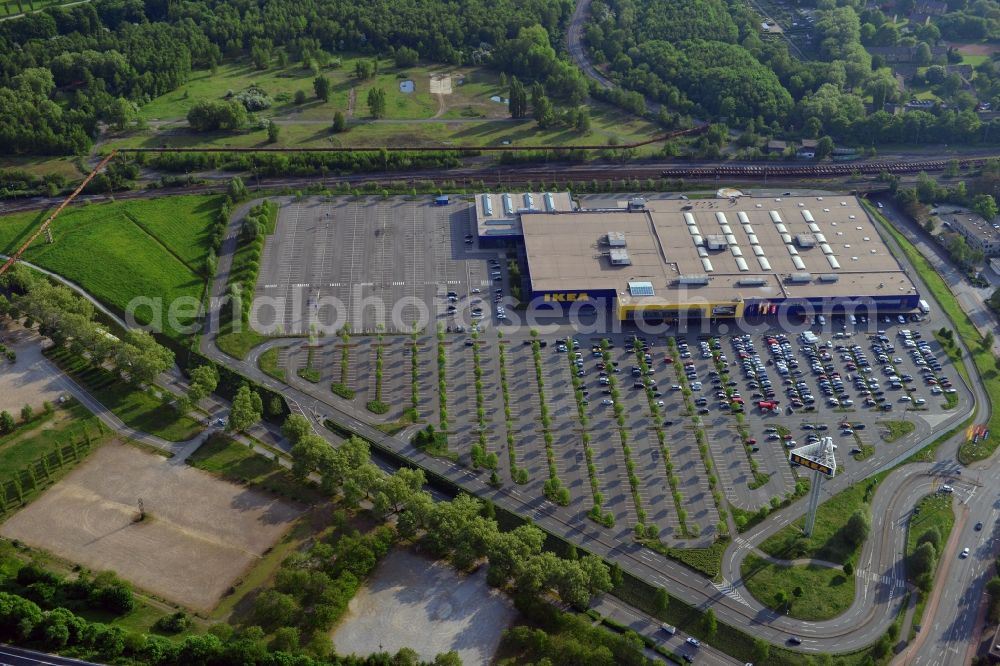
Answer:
[(64, 71), (708, 59)]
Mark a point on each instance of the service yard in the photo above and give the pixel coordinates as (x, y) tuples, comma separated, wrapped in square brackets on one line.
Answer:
[(200, 534)]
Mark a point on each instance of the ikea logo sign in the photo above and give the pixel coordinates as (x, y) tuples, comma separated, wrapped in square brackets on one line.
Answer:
[(566, 298)]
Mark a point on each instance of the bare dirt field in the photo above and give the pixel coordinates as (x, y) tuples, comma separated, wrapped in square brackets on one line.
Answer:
[(31, 380), (974, 49), (428, 606), (201, 534)]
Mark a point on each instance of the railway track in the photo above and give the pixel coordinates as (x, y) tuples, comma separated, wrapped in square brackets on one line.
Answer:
[(835, 169)]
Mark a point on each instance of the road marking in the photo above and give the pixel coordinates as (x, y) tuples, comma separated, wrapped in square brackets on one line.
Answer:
[(335, 284), (727, 589)]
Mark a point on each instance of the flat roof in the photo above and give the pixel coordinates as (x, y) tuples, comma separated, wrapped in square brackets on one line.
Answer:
[(500, 214), (569, 252), (974, 224)]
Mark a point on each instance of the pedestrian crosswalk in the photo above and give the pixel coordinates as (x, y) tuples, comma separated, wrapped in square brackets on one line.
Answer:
[(871, 576), (730, 591)]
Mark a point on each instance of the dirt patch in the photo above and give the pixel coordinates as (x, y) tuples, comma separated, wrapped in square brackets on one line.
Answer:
[(32, 380), (440, 84), (974, 48), (201, 533), (428, 606)]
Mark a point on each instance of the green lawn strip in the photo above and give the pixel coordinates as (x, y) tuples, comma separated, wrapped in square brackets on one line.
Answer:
[(554, 489), (668, 466), (981, 356), (442, 364), (759, 478), (139, 409), (236, 338), (828, 541), (517, 474), (415, 376), (896, 429), (268, 362), (46, 450), (225, 457), (341, 388), (596, 512), (933, 512), (633, 480), (309, 373), (481, 455), (101, 248), (803, 592), (376, 405), (700, 439)]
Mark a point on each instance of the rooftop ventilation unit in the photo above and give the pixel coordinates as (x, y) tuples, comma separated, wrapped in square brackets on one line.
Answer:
[(488, 205), (805, 240), (715, 242), (693, 280), (828, 277), (751, 282), (550, 204), (616, 239), (799, 278), (529, 201), (619, 257)]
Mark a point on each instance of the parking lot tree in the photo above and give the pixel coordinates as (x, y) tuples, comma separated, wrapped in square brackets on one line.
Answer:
[(247, 410)]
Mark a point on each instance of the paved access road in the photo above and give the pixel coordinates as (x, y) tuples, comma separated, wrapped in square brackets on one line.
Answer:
[(12, 656)]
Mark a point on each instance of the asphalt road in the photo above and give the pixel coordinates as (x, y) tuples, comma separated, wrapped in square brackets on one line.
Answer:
[(12, 656)]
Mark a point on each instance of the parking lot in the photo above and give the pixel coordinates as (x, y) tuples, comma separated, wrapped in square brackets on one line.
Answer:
[(859, 382)]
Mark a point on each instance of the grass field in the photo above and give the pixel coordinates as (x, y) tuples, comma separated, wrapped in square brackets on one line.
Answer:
[(268, 362), (826, 542), (12, 7), (41, 166), (238, 463), (894, 430), (982, 357), (44, 436), (138, 409), (806, 593), (122, 250)]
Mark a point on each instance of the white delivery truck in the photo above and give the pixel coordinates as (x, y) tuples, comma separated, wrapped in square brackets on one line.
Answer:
[(924, 307)]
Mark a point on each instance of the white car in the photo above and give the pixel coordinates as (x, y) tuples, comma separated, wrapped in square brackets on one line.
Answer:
[(964, 554), (607, 401)]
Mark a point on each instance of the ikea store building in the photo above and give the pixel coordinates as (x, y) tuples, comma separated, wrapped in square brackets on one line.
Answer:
[(709, 258)]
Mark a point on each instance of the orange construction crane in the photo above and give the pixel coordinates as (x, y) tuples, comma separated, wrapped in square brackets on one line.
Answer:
[(48, 220)]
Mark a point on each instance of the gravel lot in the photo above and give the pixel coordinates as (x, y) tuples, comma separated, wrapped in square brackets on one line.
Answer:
[(413, 602)]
